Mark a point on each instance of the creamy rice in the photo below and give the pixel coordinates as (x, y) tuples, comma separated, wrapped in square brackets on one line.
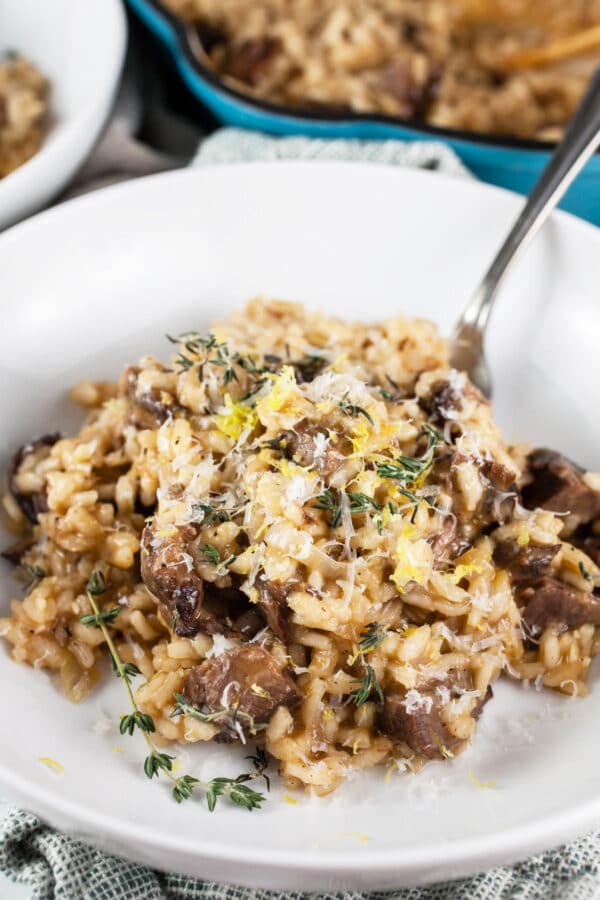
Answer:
[(326, 504), (446, 63), (23, 112)]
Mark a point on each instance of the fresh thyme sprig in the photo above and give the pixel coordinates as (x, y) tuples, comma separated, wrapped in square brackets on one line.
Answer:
[(370, 639), (352, 409), (392, 396), (406, 470), (211, 514), (157, 762), (211, 554), (208, 350), (362, 503), (233, 713), (366, 686), (34, 573), (331, 500)]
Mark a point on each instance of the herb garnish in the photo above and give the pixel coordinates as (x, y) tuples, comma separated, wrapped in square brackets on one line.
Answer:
[(585, 572), (362, 503), (328, 500), (331, 500), (211, 554), (394, 395), (408, 470), (232, 713), (366, 685), (352, 409), (370, 639), (207, 350), (157, 763), (210, 513), (35, 573)]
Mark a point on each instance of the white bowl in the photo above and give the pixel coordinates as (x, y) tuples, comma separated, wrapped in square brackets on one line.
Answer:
[(80, 47), (113, 273)]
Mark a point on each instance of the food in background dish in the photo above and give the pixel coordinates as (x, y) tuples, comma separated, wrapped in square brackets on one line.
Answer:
[(505, 67), (306, 533), (23, 112)]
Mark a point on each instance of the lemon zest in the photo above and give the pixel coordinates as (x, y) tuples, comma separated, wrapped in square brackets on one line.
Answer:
[(52, 764), (237, 419), (293, 801), (116, 749), (341, 358), (279, 394), (357, 835), (390, 770), (171, 531), (481, 784), (407, 569)]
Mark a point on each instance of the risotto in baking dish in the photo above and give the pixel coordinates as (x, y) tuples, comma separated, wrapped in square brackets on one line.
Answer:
[(23, 112), (509, 67), (305, 534)]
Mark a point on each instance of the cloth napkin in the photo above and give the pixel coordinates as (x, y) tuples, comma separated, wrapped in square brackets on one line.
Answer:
[(144, 136)]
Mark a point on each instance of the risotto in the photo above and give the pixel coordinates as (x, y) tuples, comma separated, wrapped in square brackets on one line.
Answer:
[(23, 112), (306, 533), (506, 67)]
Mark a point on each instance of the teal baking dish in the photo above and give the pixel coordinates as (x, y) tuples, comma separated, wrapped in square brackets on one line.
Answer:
[(512, 163)]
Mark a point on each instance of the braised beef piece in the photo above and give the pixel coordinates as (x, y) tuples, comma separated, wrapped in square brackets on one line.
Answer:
[(441, 404), (308, 368), (248, 60), (549, 601), (413, 95), (423, 729), (499, 476), (247, 679), (524, 563), (447, 543), (500, 493), (15, 553), (300, 446), (149, 408), (30, 504), (272, 600), (557, 485), (168, 573)]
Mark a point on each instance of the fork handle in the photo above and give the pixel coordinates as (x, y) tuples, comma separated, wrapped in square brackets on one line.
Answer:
[(580, 140)]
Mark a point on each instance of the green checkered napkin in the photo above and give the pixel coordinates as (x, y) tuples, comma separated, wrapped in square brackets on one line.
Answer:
[(57, 867)]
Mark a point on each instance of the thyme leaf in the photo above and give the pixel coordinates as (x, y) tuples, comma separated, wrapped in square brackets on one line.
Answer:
[(365, 687), (330, 502), (352, 409), (211, 554)]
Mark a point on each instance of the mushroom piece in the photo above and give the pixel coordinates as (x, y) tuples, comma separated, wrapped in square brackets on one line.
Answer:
[(31, 503)]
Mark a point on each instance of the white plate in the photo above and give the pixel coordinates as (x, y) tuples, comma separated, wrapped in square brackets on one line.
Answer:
[(80, 47), (88, 286)]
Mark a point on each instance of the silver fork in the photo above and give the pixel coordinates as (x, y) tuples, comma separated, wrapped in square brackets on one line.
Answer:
[(580, 140)]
